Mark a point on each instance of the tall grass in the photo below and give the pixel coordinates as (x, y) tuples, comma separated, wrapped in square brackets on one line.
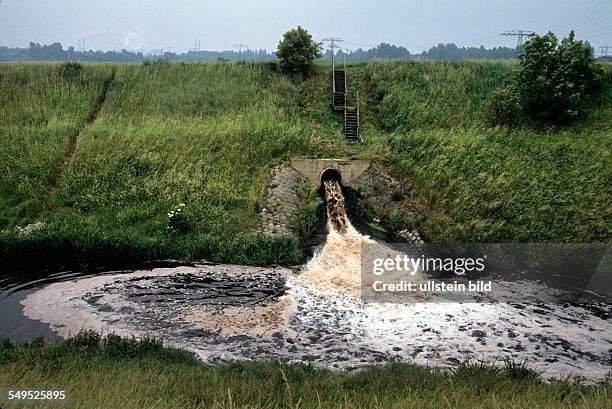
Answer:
[(117, 372), (205, 134), (199, 134), (41, 108), (434, 94), (494, 184)]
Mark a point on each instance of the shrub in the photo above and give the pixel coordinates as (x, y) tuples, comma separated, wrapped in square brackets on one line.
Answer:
[(368, 215), (86, 341), (504, 106), (397, 221), (307, 221), (297, 52), (398, 193), (558, 83), (70, 70)]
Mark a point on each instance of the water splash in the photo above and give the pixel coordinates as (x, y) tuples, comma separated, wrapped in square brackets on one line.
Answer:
[(338, 262)]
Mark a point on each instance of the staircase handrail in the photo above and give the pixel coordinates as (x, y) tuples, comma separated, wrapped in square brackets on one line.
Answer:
[(357, 103), (333, 80)]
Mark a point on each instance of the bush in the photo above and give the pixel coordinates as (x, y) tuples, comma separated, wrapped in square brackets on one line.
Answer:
[(70, 70), (398, 193), (558, 83), (306, 224), (504, 106), (178, 220), (368, 215), (397, 221), (297, 52)]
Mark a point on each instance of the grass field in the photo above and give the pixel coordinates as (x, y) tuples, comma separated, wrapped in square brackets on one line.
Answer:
[(116, 372), (94, 160)]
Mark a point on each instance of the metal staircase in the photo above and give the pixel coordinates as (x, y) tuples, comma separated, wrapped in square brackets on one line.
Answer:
[(351, 124), (339, 103), (338, 89)]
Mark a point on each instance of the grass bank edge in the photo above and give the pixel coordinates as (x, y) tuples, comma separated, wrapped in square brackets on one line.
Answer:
[(49, 248), (179, 379)]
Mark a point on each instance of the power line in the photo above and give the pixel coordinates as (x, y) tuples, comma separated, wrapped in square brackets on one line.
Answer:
[(594, 15), (598, 21), (333, 44), (520, 35), (241, 47)]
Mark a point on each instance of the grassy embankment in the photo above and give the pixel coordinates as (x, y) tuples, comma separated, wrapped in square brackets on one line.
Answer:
[(123, 373), (199, 134), (492, 184), (102, 183)]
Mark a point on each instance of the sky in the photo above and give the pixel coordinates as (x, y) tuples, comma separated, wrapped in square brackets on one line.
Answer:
[(174, 25)]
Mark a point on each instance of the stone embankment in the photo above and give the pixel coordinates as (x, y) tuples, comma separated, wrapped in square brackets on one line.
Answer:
[(281, 206), (385, 196), (373, 189)]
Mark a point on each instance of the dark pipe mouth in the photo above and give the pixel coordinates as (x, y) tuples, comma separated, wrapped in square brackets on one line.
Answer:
[(331, 174)]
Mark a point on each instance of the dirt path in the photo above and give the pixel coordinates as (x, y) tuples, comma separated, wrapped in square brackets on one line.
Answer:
[(72, 142)]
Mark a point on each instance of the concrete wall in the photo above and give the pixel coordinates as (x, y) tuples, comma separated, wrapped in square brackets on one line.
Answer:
[(312, 169)]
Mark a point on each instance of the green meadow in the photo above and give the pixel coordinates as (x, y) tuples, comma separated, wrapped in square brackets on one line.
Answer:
[(94, 160)]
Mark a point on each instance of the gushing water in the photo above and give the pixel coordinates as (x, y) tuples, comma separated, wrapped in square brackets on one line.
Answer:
[(338, 261), (335, 206)]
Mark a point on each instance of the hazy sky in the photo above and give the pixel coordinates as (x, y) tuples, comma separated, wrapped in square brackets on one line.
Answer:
[(219, 24)]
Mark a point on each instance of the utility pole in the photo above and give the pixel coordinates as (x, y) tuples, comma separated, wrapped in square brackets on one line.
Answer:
[(241, 47), (333, 41), (196, 48), (520, 35), (347, 51)]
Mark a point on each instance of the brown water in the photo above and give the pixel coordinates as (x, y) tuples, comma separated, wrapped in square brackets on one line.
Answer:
[(338, 262), (335, 206)]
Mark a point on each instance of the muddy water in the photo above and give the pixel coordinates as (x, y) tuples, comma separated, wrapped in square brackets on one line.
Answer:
[(224, 312)]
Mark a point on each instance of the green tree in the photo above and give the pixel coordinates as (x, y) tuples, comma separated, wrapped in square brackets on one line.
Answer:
[(297, 52), (557, 83)]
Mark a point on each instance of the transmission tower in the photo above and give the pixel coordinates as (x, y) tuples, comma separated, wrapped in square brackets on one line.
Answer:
[(604, 50), (520, 35), (333, 41), (241, 47), (196, 47)]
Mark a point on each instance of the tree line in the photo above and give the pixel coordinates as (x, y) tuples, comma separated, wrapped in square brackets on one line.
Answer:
[(448, 51), (56, 52)]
